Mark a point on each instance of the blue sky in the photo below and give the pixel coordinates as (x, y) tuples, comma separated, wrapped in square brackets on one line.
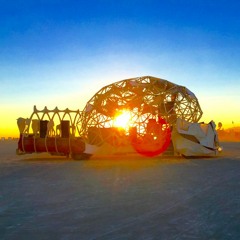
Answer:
[(59, 53)]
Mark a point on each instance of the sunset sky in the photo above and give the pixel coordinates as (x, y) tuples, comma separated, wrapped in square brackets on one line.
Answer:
[(59, 53)]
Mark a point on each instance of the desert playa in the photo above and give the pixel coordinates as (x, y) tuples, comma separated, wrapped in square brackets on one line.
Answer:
[(119, 197)]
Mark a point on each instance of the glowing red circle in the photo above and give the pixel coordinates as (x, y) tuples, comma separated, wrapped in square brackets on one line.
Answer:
[(151, 145)]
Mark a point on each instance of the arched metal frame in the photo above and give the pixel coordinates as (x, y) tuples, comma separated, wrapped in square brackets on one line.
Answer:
[(52, 116), (145, 98)]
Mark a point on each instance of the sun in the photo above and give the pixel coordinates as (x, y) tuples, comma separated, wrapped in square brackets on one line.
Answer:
[(122, 119)]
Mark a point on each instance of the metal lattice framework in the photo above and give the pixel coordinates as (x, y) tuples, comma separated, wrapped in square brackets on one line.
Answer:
[(144, 98), (45, 128), (54, 118)]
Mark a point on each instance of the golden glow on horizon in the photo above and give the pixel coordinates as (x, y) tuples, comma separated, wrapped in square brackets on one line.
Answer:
[(8, 120), (218, 109)]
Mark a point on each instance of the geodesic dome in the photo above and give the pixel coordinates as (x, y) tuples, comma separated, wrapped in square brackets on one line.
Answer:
[(141, 102)]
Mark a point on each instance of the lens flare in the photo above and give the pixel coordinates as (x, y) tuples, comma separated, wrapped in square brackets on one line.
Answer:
[(156, 140), (122, 119)]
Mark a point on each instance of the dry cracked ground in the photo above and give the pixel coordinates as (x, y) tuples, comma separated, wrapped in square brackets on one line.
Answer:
[(119, 197)]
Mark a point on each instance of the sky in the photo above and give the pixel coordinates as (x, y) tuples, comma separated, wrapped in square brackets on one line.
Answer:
[(60, 53)]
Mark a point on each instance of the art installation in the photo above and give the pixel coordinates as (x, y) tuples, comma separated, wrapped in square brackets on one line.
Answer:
[(144, 115)]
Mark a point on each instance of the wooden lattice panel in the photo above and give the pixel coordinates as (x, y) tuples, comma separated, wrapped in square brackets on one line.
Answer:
[(143, 99)]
